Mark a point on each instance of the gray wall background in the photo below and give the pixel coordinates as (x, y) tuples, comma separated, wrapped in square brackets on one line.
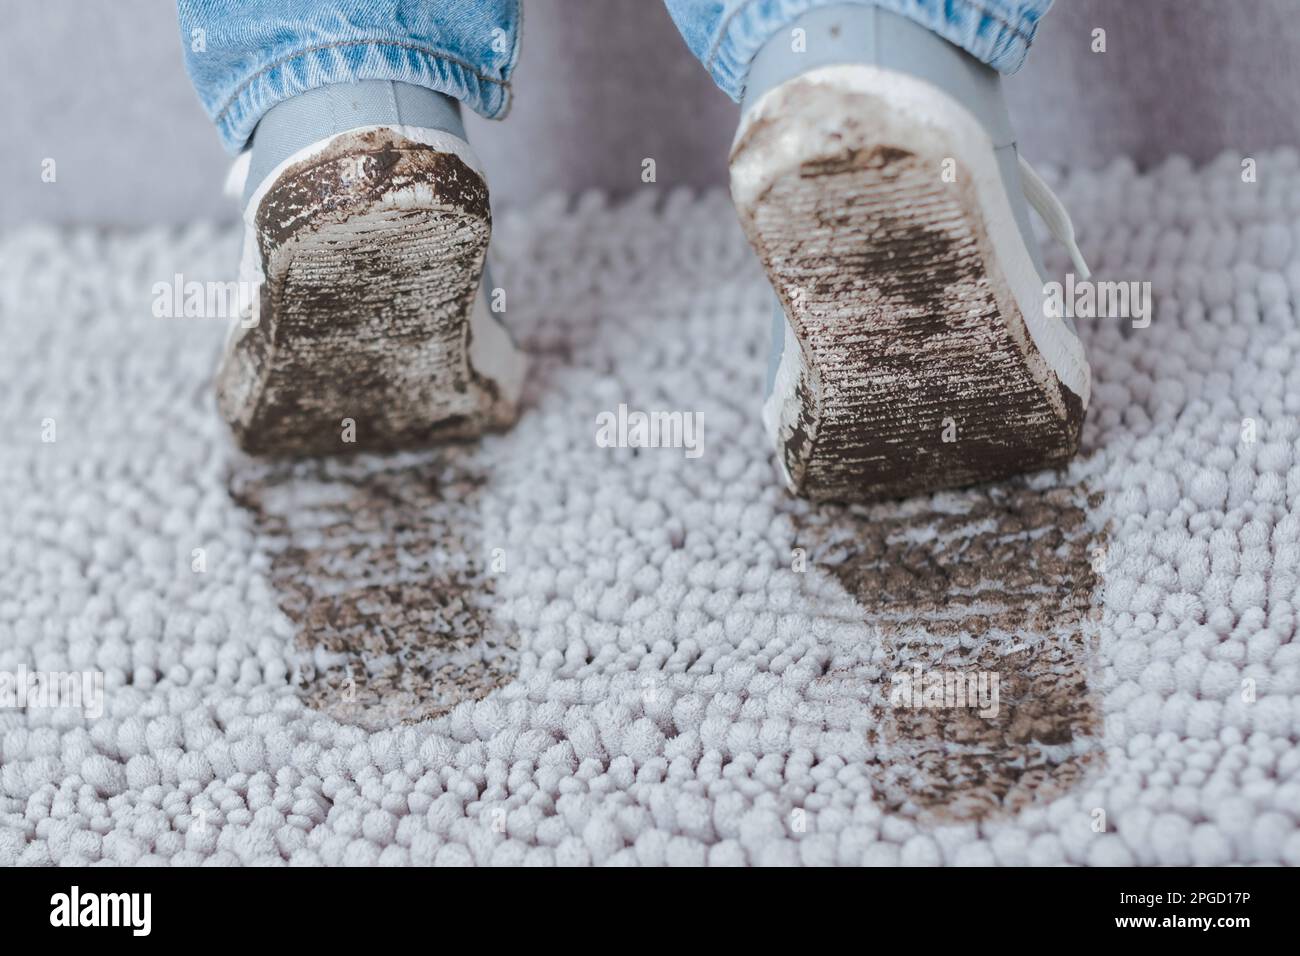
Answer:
[(99, 87)]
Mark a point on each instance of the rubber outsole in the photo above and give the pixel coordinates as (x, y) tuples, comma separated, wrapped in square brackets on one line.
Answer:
[(908, 365), (372, 251)]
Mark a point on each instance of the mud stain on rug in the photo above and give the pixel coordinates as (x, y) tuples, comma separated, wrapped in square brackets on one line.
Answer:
[(380, 564), (975, 692)]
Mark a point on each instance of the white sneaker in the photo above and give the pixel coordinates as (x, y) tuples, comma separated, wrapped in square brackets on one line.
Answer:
[(366, 327), (916, 353)]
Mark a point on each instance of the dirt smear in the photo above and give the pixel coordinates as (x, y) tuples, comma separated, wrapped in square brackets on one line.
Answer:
[(373, 252), (996, 581), (889, 277), (381, 567)]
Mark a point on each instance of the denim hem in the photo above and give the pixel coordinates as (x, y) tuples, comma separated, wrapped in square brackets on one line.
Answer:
[(352, 60), (983, 28)]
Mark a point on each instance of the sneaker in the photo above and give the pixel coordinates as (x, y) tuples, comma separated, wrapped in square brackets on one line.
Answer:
[(877, 178), (364, 324)]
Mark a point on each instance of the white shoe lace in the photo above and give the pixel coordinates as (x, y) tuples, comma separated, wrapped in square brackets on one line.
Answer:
[(1053, 213)]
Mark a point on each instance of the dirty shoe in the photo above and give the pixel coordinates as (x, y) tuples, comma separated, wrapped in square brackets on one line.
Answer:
[(877, 178), (364, 325)]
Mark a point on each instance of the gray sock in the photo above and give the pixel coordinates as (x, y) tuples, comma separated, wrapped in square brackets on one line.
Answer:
[(320, 113)]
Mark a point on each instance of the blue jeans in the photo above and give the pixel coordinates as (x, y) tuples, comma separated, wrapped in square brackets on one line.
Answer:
[(726, 35), (244, 56)]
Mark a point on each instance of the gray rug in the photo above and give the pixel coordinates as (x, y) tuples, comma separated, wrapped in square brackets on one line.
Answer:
[(538, 649)]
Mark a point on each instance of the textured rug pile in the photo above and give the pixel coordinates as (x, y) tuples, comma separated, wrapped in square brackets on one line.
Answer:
[(541, 650)]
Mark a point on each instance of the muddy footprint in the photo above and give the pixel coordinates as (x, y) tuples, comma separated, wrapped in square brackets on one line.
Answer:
[(380, 564), (975, 693)]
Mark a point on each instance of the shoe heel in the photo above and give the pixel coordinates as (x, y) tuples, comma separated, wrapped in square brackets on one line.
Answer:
[(373, 252), (908, 365)]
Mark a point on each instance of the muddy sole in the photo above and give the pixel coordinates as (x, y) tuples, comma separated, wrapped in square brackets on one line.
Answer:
[(372, 253), (909, 364)]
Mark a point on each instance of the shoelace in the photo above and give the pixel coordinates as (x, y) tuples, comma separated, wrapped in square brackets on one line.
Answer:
[(1053, 213)]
